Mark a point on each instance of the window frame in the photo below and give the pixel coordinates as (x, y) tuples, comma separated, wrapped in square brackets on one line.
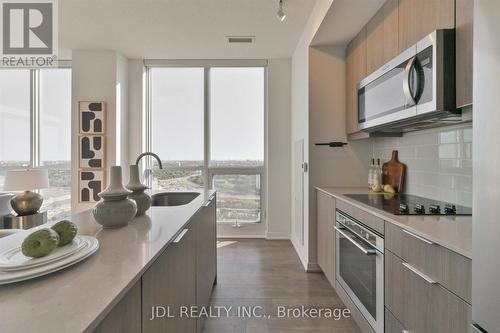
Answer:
[(35, 112), (208, 172)]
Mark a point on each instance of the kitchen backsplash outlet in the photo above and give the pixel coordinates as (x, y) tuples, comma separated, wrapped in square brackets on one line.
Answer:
[(439, 162)]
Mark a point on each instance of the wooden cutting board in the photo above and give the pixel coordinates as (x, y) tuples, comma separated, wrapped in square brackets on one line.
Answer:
[(393, 172)]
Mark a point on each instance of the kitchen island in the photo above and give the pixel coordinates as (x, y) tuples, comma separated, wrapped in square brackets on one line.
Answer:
[(80, 298)]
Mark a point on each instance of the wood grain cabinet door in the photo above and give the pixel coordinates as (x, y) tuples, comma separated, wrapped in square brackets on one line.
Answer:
[(392, 325), (170, 282), (206, 256), (421, 305), (382, 36), (355, 71), (464, 58), (418, 18), (125, 317), (448, 268), (326, 235)]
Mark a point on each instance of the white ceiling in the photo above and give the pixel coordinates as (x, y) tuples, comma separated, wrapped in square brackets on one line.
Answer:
[(344, 20), (187, 29)]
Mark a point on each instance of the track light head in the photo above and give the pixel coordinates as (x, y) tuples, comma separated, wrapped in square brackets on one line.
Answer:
[(280, 13)]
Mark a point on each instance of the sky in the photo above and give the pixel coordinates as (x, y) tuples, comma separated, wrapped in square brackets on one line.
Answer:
[(236, 113), (55, 115)]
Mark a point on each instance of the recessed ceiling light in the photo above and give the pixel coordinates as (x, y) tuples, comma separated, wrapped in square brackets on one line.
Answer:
[(280, 13), (241, 39)]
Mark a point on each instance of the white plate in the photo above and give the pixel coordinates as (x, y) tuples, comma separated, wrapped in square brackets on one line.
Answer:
[(26, 274), (8, 232), (14, 259)]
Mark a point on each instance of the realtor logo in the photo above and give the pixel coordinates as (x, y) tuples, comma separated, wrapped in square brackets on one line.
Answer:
[(28, 33)]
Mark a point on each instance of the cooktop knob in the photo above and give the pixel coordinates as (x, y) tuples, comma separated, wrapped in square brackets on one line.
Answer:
[(403, 208), (435, 209), (419, 209), (450, 209)]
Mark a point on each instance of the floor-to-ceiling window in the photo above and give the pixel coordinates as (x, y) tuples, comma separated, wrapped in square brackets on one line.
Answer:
[(207, 125), (35, 130)]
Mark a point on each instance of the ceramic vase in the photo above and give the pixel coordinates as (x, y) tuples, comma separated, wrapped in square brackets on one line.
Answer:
[(115, 210), (141, 198)]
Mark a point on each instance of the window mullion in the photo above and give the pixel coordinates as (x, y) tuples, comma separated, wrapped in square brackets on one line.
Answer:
[(34, 118), (206, 175)]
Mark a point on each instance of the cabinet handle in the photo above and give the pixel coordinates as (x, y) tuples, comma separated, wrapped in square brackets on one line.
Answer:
[(206, 204), (417, 237), (351, 239), (178, 238), (419, 273)]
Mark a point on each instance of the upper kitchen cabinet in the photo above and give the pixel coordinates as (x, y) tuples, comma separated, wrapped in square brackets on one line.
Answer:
[(355, 71), (418, 18), (464, 35), (382, 36)]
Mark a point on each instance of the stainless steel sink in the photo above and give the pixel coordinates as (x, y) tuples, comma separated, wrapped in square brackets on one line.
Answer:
[(173, 198)]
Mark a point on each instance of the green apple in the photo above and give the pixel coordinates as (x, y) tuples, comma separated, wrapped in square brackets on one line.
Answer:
[(66, 230), (40, 243)]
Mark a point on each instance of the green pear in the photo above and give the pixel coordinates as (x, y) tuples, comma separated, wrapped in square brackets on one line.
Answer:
[(66, 230), (40, 243)]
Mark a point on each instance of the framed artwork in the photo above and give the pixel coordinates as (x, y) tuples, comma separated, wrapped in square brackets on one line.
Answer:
[(90, 183), (92, 151), (92, 117)]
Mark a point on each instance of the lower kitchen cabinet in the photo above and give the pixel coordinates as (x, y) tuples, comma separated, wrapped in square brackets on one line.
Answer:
[(392, 325), (206, 257), (125, 317), (171, 282), (326, 235), (421, 304)]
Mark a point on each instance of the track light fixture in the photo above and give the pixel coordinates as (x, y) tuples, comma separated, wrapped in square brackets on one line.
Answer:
[(280, 13)]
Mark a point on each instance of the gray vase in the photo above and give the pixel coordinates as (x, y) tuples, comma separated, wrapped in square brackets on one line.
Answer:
[(115, 210), (142, 199)]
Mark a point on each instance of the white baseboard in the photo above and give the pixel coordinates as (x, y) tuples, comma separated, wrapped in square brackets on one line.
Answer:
[(313, 267), (241, 236), (277, 235), (297, 250)]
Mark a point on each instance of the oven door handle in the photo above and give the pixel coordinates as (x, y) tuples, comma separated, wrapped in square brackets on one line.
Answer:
[(366, 251)]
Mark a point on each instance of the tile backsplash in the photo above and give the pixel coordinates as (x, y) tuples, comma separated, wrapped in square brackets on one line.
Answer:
[(438, 162)]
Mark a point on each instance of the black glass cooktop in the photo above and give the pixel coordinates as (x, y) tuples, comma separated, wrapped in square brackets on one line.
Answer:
[(406, 204)]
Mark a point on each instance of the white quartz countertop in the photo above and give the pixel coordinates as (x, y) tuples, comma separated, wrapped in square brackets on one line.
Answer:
[(452, 232), (77, 298)]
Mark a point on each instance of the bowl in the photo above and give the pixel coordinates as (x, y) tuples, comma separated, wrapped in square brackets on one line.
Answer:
[(5, 207)]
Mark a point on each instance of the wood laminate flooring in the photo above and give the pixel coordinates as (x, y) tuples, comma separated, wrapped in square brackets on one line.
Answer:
[(256, 272)]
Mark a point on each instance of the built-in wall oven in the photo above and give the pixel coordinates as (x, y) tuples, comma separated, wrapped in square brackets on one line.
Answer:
[(360, 267)]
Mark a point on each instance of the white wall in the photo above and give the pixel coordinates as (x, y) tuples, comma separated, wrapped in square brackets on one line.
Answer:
[(486, 171), (279, 149), (300, 112), (122, 114), (99, 76), (136, 100)]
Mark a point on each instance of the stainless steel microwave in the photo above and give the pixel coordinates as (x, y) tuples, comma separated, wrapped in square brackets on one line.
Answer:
[(414, 90)]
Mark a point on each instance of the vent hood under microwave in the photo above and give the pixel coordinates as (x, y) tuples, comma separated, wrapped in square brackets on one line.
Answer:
[(412, 91)]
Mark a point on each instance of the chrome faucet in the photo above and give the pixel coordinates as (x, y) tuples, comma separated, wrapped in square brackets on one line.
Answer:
[(147, 172), (149, 154)]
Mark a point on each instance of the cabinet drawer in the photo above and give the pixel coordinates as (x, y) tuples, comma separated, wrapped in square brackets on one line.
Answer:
[(392, 325), (448, 268), (420, 305), (366, 218)]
